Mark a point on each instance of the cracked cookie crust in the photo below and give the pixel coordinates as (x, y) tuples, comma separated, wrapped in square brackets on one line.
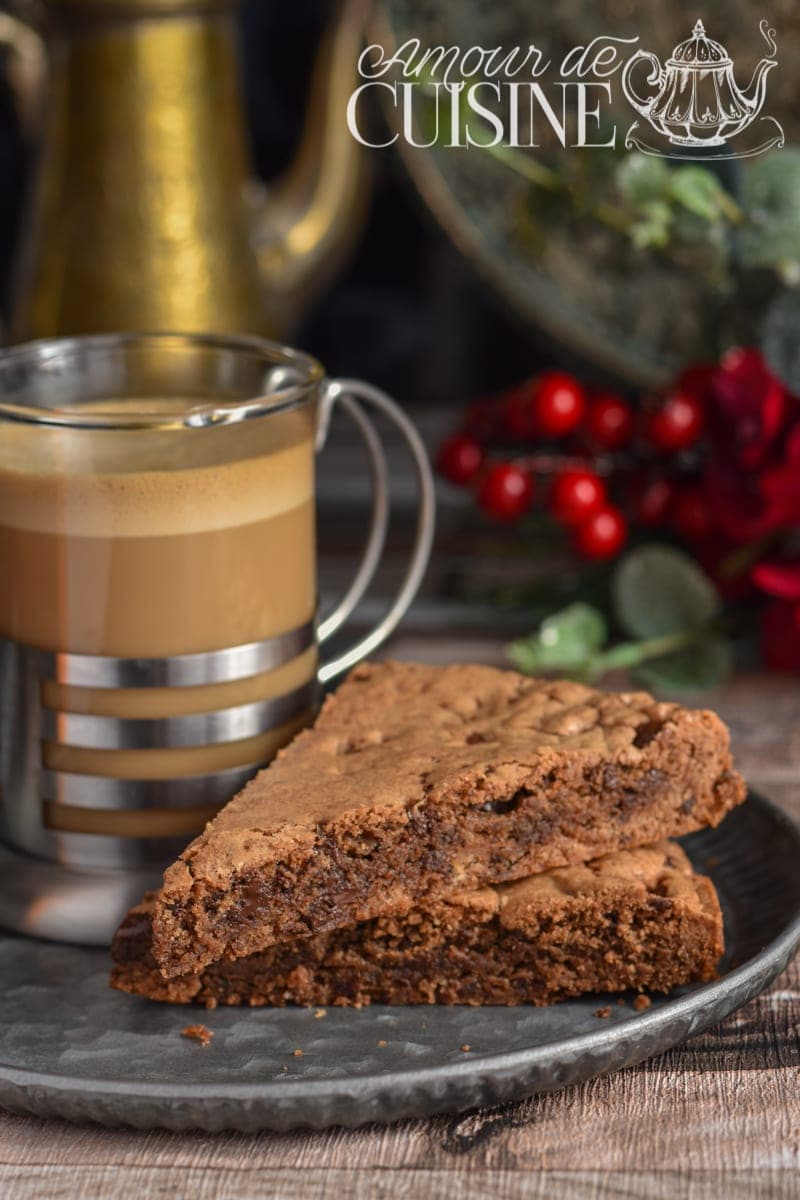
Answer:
[(417, 781)]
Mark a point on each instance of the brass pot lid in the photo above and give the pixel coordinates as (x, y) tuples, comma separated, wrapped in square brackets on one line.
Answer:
[(699, 52)]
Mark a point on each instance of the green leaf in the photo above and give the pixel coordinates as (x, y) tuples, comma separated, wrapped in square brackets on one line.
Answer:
[(565, 641), (698, 190), (771, 236), (642, 179), (652, 226), (705, 665), (657, 590)]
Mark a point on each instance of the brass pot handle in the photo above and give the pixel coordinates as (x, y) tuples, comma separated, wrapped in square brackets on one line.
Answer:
[(27, 69), (346, 394)]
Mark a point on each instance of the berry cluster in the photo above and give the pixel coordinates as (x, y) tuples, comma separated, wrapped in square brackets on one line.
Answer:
[(597, 462)]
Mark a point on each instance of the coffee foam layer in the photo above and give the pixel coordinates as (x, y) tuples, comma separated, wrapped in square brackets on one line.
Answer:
[(45, 487)]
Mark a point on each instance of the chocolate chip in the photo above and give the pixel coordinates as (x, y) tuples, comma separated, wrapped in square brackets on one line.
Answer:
[(503, 806), (645, 733)]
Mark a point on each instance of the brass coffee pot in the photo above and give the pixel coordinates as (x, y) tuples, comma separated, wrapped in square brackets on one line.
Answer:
[(144, 214)]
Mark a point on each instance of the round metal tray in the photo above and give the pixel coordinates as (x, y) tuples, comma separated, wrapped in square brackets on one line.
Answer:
[(72, 1048)]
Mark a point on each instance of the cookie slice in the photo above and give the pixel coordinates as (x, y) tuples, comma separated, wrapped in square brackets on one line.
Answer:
[(417, 781), (635, 919)]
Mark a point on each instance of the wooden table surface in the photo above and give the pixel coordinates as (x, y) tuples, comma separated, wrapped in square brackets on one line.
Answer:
[(717, 1118)]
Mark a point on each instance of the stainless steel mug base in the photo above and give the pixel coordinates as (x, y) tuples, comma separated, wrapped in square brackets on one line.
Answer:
[(45, 900)]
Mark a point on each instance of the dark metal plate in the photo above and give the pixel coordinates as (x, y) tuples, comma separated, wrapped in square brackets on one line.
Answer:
[(70, 1047)]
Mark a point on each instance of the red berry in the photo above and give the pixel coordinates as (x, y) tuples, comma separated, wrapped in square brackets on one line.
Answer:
[(559, 403), (480, 419), (698, 380), (459, 458), (690, 513), (780, 635), (603, 534), (678, 423), (609, 422), (651, 502), (506, 492), (517, 415), (575, 495)]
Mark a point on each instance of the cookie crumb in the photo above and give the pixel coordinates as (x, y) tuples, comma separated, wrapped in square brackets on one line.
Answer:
[(381, 1043), (466, 1047), (321, 1012), (603, 1012), (621, 1002), (197, 1033), (297, 1053), (641, 1003), (712, 861)]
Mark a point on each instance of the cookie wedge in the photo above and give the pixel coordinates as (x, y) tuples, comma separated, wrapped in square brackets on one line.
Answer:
[(419, 781)]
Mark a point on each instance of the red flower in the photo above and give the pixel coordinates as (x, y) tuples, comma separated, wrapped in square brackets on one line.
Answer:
[(793, 445), (781, 579), (736, 502), (780, 636), (749, 407), (752, 480), (780, 489)]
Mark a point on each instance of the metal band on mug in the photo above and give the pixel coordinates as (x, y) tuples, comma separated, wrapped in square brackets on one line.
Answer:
[(179, 670), (163, 733), (187, 791), (29, 790)]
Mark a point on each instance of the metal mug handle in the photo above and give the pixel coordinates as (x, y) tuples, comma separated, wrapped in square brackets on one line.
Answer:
[(346, 393)]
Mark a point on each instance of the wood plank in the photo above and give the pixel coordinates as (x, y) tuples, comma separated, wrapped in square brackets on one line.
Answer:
[(783, 793), (763, 712), (375, 1183)]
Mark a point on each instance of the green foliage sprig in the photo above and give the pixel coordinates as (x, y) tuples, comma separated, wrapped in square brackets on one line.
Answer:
[(669, 613), (666, 207)]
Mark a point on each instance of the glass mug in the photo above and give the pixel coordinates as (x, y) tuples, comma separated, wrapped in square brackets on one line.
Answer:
[(158, 631)]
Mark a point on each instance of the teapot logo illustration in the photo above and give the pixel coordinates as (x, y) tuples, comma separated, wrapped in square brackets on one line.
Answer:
[(697, 104)]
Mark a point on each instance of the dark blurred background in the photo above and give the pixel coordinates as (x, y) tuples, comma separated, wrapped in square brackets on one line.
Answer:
[(390, 314)]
